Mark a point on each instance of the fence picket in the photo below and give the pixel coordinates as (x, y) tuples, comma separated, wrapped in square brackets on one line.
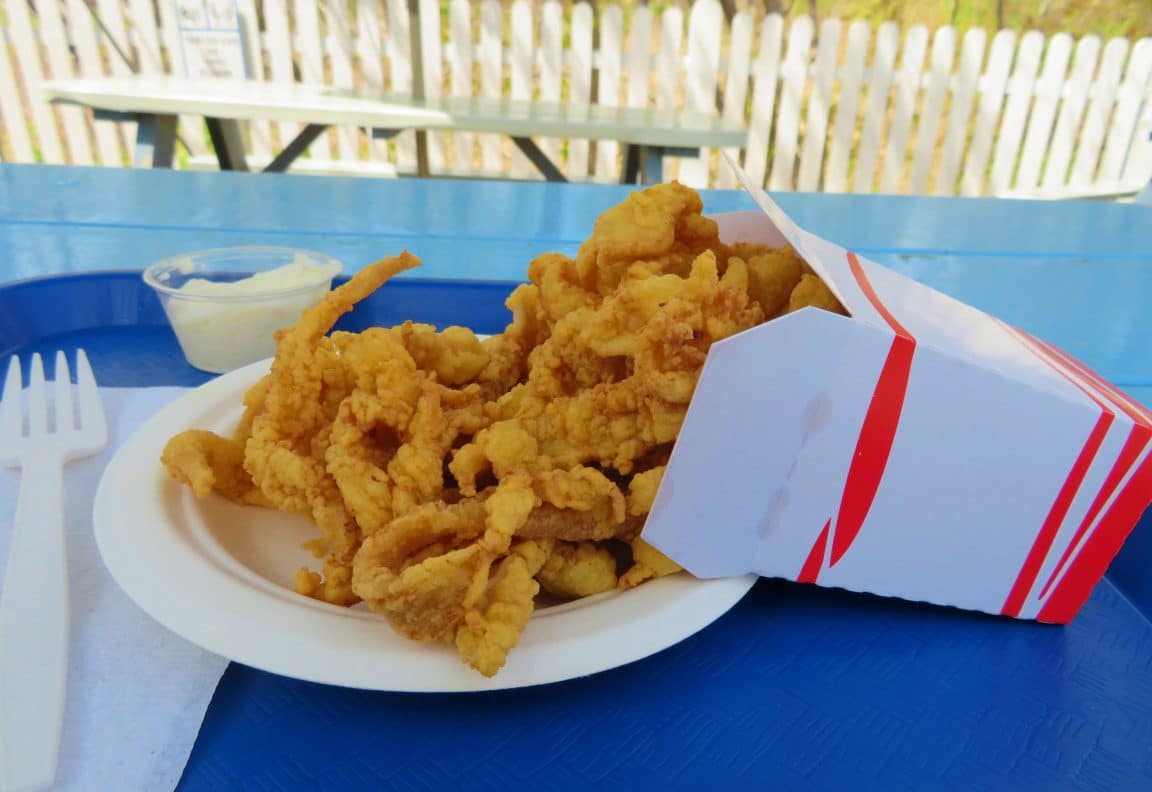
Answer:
[(964, 90), (765, 72), (28, 57), (258, 133), (639, 62), (551, 66), (701, 77), (144, 36), (60, 62), (279, 51), (460, 67), (1044, 104), (339, 50), (370, 53), (907, 89), (491, 77), (433, 61), (669, 57), (111, 13), (311, 63), (520, 57), (883, 62), (669, 61), (192, 129), (607, 167), (1075, 98), (1020, 89), (988, 112), (1131, 95), (82, 33), (580, 83), (816, 125), (12, 124), (792, 77), (939, 76), (1138, 164), (736, 87), (1099, 110), (840, 150), (398, 53)]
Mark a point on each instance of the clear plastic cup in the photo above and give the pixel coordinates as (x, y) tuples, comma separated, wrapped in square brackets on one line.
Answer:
[(226, 304)]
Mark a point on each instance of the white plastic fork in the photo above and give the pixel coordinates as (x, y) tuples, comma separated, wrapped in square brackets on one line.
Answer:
[(34, 602)]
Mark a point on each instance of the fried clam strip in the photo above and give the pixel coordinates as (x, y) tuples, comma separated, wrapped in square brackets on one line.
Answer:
[(279, 454), (210, 463), (614, 423), (455, 355), (578, 569), (576, 504), (369, 424), (772, 277), (492, 627), (397, 398), (508, 352), (441, 594), (661, 225), (647, 561), (207, 462), (812, 291), (442, 414)]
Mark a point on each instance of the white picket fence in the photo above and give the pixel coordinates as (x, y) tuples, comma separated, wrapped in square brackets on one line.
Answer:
[(839, 108)]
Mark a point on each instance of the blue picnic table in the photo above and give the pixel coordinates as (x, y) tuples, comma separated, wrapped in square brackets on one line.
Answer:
[(797, 686)]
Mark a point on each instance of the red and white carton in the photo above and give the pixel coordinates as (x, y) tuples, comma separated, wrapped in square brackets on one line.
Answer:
[(918, 448)]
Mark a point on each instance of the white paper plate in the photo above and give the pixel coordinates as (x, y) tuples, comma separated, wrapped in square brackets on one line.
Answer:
[(221, 576)]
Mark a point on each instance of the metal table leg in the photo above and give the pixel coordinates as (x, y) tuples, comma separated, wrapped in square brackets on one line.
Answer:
[(546, 167), (228, 142), (631, 169), (155, 141), (294, 149), (653, 167)]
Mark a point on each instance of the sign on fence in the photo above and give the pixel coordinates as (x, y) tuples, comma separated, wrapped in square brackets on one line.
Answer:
[(211, 39)]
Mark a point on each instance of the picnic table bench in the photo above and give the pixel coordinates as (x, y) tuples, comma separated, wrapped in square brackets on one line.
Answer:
[(154, 102)]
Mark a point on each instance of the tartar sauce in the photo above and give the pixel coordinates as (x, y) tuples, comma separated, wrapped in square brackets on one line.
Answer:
[(220, 335)]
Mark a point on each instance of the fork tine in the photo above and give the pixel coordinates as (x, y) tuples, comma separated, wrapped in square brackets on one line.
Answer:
[(11, 418), (91, 411), (37, 398), (62, 384)]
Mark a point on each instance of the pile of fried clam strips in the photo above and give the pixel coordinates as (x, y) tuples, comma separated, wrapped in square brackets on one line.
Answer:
[(453, 479)]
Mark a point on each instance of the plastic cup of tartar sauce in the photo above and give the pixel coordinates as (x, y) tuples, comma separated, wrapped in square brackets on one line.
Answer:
[(225, 304)]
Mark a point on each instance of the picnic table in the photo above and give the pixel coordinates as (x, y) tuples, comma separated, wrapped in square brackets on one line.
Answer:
[(797, 686), (154, 103)]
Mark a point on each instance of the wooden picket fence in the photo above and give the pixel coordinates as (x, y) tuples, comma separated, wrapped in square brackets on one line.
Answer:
[(838, 107)]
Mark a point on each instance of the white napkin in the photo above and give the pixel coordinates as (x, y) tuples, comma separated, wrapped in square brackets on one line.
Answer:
[(137, 693)]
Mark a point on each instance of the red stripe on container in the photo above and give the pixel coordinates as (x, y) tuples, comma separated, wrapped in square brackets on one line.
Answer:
[(870, 292), (1133, 446), (815, 560), (1137, 412), (873, 446), (1092, 562), (1042, 545), (878, 432)]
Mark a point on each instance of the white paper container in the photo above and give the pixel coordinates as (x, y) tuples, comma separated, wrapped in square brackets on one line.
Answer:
[(919, 448)]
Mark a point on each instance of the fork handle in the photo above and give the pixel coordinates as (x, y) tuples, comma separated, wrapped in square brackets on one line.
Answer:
[(34, 630)]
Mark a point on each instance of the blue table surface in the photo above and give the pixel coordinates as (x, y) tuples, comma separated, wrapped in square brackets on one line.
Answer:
[(810, 688)]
